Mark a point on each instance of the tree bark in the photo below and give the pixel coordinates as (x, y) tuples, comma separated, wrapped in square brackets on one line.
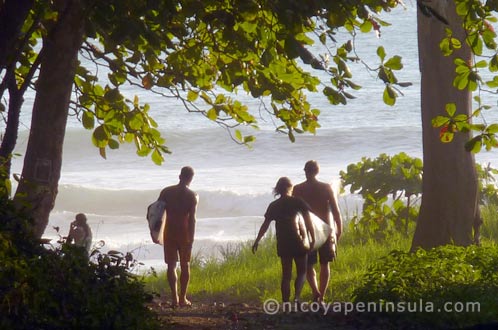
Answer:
[(10, 136), (449, 187), (37, 189)]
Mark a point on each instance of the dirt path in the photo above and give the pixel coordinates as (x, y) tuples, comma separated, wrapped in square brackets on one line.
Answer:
[(239, 316)]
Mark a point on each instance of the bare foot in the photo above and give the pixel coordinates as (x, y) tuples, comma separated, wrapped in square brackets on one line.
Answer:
[(317, 298), (185, 303)]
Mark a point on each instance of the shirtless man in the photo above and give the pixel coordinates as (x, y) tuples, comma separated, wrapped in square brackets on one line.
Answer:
[(321, 199), (181, 205)]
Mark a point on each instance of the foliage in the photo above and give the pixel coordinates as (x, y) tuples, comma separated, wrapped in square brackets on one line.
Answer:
[(478, 19), (489, 229), (390, 187), (432, 278), (488, 193), (60, 288), (204, 54)]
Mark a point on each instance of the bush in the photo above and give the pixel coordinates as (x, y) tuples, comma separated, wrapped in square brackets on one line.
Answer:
[(391, 188), (461, 276), (60, 288)]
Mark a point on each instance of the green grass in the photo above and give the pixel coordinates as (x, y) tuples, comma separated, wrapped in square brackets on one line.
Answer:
[(246, 277), (489, 229)]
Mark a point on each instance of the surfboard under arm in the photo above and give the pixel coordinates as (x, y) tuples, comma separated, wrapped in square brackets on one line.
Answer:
[(156, 217)]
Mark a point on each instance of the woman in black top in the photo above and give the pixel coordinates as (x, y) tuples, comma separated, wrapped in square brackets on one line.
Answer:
[(290, 248)]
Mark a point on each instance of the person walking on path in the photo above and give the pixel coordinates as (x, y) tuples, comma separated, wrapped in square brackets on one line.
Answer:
[(181, 205), (289, 240), (322, 201)]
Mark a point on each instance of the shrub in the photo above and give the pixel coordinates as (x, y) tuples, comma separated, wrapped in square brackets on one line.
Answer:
[(391, 188), (60, 288), (460, 276)]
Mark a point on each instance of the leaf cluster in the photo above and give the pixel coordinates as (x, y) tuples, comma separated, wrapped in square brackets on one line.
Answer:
[(205, 54), (477, 75), (390, 187)]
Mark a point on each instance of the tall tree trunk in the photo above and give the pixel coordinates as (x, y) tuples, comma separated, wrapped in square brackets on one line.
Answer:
[(449, 188), (13, 13), (42, 162), (10, 137)]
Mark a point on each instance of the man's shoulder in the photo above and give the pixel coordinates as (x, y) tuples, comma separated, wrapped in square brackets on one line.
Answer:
[(301, 184), (168, 189), (193, 194), (298, 187)]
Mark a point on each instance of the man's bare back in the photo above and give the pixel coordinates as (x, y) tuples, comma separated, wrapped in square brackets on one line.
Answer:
[(180, 205), (318, 195)]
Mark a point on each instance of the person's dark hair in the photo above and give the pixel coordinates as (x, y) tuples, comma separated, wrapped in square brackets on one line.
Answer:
[(312, 167), (80, 217), (187, 173), (282, 187)]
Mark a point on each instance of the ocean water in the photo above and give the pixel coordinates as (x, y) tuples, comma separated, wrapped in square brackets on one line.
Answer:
[(234, 182)]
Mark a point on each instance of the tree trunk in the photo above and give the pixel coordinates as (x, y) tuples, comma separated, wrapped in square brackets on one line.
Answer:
[(449, 187), (42, 162), (10, 137)]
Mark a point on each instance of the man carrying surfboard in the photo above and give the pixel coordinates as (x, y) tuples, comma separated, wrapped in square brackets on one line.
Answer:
[(322, 201), (181, 205)]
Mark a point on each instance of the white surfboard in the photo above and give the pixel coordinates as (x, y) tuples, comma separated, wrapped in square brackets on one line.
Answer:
[(321, 229), (156, 217)]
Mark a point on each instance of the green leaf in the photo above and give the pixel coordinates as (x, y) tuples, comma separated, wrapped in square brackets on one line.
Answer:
[(366, 26), (212, 114), (394, 63), (439, 121), (492, 129), (192, 95), (493, 63), (381, 52), (389, 95), (113, 144), (474, 145), (481, 64), (157, 157), (450, 109), (88, 120), (100, 137), (493, 83), (238, 135)]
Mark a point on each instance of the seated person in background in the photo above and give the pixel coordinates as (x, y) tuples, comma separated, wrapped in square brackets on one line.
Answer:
[(80, 232)]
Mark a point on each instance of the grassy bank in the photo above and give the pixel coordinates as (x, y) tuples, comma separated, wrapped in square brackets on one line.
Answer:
[(246, 277)]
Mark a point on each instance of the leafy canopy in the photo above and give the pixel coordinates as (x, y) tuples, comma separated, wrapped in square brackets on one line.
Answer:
[(206, 54)]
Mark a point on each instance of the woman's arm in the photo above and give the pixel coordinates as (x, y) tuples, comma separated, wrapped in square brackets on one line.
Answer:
[(262, 231)]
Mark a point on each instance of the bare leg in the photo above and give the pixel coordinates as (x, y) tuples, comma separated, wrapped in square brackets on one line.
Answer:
[(172, 278), (286, 278), (300, 276), (324, 278), (184, 280), (311, 276)]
